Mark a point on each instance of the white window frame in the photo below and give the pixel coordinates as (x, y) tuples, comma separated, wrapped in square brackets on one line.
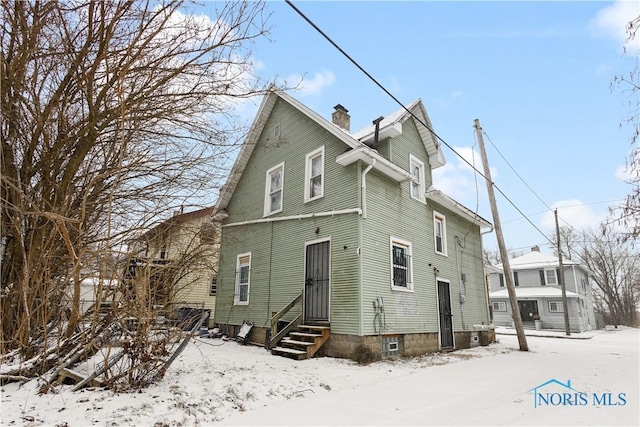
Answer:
[(419, 183), (276, 130), (546, 276), (393, 241), (556, 307), (239, 265), (267, 190), (308, 177), (499, 306), (442, 220)]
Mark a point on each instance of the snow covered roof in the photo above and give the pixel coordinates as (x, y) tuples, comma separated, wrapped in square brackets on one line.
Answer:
[(534, 292), (535, 259), (391, 125)]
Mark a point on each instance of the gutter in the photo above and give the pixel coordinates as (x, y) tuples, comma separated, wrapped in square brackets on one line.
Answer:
[(293, 217)]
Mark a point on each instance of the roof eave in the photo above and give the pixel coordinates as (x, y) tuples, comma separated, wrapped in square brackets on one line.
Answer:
[(379, 163), (439, 197), (389, 131)]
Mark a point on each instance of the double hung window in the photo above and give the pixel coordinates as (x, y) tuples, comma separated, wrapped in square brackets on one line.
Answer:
[(243, 279), (401, 265), (440, 233), (314, 175), (273, 190), (416, 167)]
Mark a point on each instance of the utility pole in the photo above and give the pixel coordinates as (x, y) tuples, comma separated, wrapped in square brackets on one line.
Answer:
[(567, 328), (508, 276)]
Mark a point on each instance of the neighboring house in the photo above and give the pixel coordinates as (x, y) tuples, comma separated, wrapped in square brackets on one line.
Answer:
[(538, 292), (349, 230), (187, 244)]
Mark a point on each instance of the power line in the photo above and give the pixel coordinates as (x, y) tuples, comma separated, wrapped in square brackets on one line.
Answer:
[(564, 207), (529, 187), (514, 171), (413, 115)]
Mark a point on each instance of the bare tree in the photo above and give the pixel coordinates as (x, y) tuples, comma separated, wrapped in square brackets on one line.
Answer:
[(492, 256), (114, 113), (629, 85), (614, 269), (569, 238)]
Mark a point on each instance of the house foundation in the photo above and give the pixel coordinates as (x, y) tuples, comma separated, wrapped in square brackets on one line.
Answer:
[(344, 346)]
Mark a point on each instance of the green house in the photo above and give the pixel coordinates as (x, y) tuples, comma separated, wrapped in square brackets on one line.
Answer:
[(343, 233)]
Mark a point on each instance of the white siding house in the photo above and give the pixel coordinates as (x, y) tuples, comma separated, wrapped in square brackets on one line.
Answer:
[(536, 277)]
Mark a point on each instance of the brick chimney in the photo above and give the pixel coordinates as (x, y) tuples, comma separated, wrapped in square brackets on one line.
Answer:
[(535, 248), (341, 118)]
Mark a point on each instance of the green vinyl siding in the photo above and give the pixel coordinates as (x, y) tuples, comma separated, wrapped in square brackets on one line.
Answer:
[(277, 268), (392, 213), (409, 142), (299, 135), (278, 248), (360, 259), (417, 310)]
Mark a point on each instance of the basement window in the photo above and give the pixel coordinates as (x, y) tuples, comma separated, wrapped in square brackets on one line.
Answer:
[(391, 346)]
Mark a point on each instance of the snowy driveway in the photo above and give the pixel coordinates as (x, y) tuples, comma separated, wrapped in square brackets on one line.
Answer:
[(486, 390), (222, 383)]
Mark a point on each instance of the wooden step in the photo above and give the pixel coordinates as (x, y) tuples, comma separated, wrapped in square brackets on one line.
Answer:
[(294, 342), (290, 352), (304, 342), (314, 328), (304, 335)]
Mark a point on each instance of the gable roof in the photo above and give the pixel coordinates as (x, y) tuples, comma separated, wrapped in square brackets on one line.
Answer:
[(535, 259), (391, 125), (174, 220), (358, 149)]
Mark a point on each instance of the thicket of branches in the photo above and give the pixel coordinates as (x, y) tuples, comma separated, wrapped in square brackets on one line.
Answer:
[(629, 85), (113, 114)]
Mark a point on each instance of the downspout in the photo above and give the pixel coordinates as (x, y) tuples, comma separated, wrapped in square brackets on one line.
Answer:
[(364, 188), (363, 197)]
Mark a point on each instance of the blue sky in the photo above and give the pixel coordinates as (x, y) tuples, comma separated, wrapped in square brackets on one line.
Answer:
[(536, 74)]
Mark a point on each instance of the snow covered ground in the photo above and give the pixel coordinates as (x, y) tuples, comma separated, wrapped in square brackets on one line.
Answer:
[(222, 383)]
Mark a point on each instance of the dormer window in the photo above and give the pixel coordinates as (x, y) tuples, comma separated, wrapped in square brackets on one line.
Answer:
[(416, 167)]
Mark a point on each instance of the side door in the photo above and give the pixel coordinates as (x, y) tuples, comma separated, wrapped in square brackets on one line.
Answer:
[(445, 315)]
